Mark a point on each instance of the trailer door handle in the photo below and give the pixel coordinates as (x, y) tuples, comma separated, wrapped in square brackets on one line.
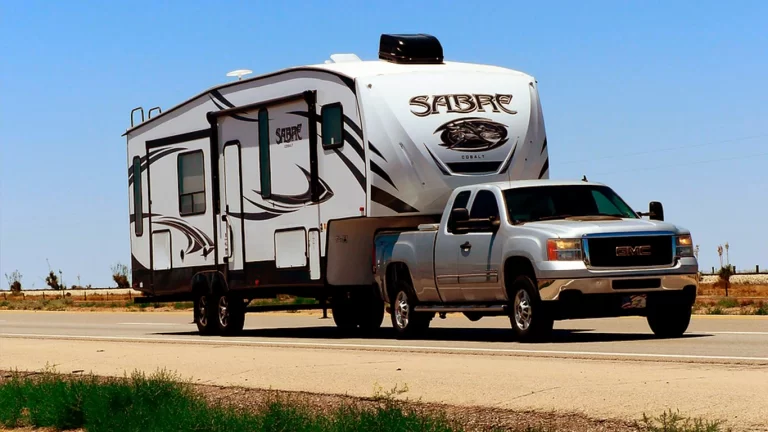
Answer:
[(466, 246)]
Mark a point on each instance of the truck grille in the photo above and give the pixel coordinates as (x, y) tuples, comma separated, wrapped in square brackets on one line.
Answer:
[(631, 251)]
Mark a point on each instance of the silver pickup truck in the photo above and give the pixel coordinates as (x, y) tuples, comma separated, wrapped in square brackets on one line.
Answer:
[(539, 251)]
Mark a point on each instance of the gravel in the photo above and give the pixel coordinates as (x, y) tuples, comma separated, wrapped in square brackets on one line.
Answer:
[(472, 419)]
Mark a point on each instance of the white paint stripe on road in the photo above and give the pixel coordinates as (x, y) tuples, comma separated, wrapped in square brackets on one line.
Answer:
[(389, 347), (150, 324), (732, 333)]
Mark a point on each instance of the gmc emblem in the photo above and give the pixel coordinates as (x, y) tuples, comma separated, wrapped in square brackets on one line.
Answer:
[(625, 251)]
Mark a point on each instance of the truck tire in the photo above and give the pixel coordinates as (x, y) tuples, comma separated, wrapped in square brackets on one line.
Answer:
[(230, 314), (670, 321), (530, 320), (205, 313), (405, 321)]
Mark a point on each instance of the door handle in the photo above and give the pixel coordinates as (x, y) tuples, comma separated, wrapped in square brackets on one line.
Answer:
[(466, 245)]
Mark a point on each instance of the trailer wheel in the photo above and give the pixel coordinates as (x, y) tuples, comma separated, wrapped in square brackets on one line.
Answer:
[(230, 314), (369, 309), (205, 313), (530, 320), (343, 313), (670, 321), (405, 321)]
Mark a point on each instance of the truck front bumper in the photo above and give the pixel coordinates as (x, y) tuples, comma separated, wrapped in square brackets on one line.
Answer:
[(553, 289)]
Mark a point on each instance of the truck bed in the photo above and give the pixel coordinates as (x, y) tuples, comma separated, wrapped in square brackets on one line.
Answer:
[(416, 246)]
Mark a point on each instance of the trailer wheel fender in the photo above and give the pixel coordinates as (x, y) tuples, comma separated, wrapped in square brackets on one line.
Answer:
[(218, 283), (201, 284)]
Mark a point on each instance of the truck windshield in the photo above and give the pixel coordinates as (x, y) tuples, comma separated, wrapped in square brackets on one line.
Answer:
[(537, 203)]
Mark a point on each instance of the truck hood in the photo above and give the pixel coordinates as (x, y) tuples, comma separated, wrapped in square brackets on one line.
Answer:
[(577, 227)]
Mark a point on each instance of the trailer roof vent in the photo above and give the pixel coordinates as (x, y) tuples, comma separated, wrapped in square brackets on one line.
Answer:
[(410, 49)]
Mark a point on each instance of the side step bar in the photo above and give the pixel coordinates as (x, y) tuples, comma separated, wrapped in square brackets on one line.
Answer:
[(286, 307), (493, 309)]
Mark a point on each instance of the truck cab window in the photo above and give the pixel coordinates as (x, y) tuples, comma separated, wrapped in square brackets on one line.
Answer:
[(460, 202), (138, 216), (484, 206), (191, 183), (332, 126)]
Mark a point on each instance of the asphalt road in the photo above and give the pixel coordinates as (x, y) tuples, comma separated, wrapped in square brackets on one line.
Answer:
[(604, 368)]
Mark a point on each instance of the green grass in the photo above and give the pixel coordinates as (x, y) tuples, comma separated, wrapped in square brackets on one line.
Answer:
[(674, 422), (159, 403), (728, 303)]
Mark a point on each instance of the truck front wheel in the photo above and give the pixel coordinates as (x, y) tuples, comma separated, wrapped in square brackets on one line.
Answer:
[(406, 322), (530, 319), (670, 321)]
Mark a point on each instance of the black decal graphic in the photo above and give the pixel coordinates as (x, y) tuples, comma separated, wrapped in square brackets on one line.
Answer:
[(197, 240), (288, 134), (437, 161), (544, 168), (509, 161), (472, 134), (377, 169), (376, 151), (277, 205), (220, 97), (151, 157), (425, 105), (388, 200)]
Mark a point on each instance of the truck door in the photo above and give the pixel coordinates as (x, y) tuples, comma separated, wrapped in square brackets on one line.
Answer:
[(480, 254), (447, 250)]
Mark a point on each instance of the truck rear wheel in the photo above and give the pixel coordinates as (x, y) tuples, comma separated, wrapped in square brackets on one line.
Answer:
[(230, 314), (670, 321), (406, 322), (205, 314), (530, 319)]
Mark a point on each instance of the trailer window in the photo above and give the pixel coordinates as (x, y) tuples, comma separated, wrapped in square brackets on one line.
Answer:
[(138, 217), (191, 183), (264, 170), (332, 127)]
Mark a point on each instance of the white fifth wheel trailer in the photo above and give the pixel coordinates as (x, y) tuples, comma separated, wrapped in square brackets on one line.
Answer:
[(276, 184)]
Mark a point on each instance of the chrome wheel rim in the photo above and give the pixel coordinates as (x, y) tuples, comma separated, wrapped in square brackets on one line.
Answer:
[(401, 310), (523, 311), (223, 311), (202, 311)]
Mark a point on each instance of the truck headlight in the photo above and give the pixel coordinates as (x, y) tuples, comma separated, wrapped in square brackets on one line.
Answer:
[(564, 250), (684, 245)]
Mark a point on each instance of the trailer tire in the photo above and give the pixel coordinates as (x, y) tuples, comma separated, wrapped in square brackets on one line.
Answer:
[(405, 321), (343, 313), (530, 319), (230, 314), (205, 313), (369, 309), (670, 321)]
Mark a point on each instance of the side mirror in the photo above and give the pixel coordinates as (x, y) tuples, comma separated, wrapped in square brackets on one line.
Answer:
[(460, 215), (457, 217), (656, 210)]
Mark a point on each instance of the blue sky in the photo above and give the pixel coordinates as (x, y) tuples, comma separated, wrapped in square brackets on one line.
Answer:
[(661, 100)]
